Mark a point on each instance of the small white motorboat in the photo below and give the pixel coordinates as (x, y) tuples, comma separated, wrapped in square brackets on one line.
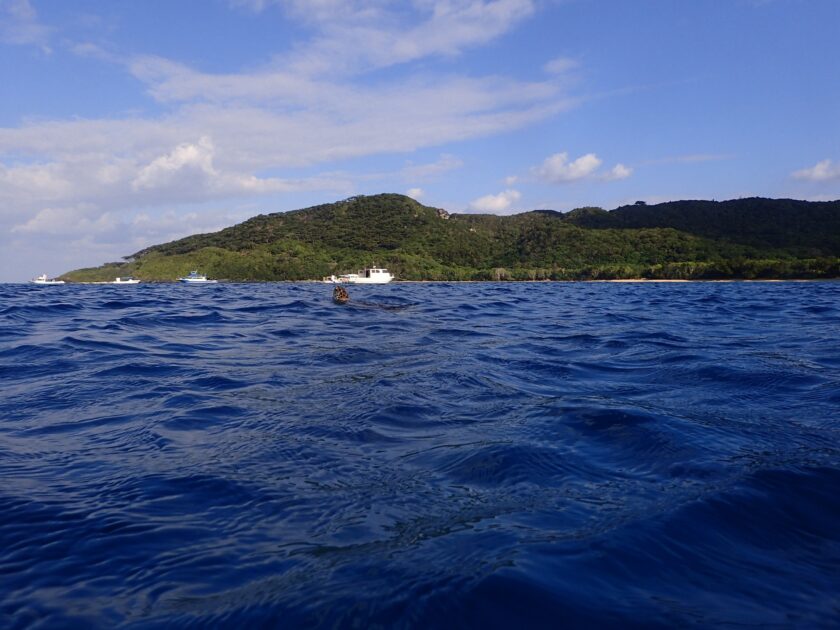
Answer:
[(127, 280), (196, 278), (370, 275), (43, 279)]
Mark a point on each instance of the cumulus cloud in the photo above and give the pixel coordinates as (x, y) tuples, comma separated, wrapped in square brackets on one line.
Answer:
[(820, 172), (136, 176), (496, 204), (190, 166), (193, 161), (619, 171), (558, 169), (415, 193)]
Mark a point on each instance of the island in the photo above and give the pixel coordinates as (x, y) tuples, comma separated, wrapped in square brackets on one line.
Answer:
[(752, 238)]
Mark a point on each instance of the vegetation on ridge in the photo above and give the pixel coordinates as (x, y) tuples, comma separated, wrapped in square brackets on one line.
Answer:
[(744, 238)]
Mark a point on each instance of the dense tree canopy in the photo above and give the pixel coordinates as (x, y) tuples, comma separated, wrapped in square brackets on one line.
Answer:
[(744, 238)]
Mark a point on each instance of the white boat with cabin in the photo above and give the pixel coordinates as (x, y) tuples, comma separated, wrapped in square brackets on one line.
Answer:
[(196, 278), (43, 279), (128, 280), (370, 275)]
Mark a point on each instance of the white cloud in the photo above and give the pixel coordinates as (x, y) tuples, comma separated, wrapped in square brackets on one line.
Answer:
[(63, 238), (256, 6), (66, 220), (282, 90), (193, 161), (19, 24), (510, 180), (93, 51), (48, 182), (361, 34), (147, 228), (118, 234), (322, 120), (820, 172), (619, 171), (558, 169), (122, 173), (445, 163), (190, 166), (115, 160), (496, 204), (415, 193), (561, 65), (317, 10)]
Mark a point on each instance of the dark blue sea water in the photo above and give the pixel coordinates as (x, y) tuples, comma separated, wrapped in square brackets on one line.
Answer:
[(442, 455)]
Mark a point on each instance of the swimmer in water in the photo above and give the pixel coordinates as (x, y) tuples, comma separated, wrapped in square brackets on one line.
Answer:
[(340, 296)]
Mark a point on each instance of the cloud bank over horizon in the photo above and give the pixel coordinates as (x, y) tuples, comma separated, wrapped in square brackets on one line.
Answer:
[(823, 171)]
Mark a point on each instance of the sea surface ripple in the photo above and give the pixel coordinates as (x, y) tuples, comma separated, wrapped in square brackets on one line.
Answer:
[(430, 455)]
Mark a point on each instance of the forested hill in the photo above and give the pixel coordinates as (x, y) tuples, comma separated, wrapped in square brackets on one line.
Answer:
[(744, 238), (785, 223)]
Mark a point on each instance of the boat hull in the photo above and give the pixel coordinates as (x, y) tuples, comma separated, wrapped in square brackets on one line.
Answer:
[(43, 279), (196, 278), (367, 281)]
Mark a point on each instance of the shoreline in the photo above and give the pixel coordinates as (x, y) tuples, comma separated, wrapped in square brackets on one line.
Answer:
[(397, 281), (618, 280)]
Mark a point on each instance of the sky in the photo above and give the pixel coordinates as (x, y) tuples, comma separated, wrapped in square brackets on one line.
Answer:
[(126, 123)]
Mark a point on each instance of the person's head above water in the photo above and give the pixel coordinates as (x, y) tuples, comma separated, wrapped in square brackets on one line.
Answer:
[(340, 296)]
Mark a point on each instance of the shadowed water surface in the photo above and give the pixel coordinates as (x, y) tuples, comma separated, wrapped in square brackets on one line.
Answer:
[(472, 455)]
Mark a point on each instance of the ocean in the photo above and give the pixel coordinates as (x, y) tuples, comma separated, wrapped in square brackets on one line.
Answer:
[(487, 455)]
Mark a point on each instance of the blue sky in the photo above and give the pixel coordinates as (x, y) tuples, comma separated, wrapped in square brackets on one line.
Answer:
[(126, 123)]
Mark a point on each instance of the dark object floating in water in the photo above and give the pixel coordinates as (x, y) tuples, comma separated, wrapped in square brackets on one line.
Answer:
[(340, 296)]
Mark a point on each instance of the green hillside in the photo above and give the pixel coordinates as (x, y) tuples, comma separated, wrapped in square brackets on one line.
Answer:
[(745, 238), (804, 228)]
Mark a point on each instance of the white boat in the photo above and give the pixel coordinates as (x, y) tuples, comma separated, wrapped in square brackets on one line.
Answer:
[(196, 278), (370, 275), (128, 280), (42, 279)]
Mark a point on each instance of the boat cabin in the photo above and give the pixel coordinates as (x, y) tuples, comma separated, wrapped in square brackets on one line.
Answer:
[(374, 272)]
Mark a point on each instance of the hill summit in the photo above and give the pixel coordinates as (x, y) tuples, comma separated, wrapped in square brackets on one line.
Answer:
[(743, 238)]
